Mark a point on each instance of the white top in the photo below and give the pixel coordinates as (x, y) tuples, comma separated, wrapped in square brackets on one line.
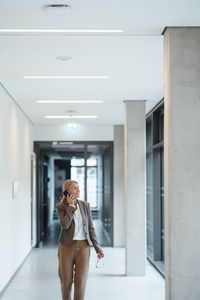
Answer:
[(79, 233)]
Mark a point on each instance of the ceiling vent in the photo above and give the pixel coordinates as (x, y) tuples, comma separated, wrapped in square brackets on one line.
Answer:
[(57, 9), (60, 6)]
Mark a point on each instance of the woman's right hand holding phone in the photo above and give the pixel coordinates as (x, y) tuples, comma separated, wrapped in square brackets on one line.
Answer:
[(71, 199)]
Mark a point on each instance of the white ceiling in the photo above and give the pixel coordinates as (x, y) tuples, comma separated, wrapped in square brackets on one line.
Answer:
[(133, 59)]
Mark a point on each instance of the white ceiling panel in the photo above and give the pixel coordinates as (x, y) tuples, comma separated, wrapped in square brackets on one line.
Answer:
[(133, 59), (135, 17), (134, 64)]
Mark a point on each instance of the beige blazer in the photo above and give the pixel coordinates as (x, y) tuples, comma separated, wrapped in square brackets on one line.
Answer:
[(66, 218)]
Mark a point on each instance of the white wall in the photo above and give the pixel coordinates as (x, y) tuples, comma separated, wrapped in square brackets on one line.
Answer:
[(15, 160), (83, 133)]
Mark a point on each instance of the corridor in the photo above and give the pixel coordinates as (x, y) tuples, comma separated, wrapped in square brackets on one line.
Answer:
[(100, 100), (37, 279)]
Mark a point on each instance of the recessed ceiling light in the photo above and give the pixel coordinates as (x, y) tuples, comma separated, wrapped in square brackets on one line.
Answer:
[(65, 143), (64, 77), (71, 117), (69, 101), (53, 31)]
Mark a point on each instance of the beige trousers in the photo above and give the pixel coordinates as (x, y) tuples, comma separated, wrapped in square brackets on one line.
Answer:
[(73, 266)]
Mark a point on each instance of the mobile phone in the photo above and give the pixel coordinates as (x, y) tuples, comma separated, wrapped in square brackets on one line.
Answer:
[(65, 193)]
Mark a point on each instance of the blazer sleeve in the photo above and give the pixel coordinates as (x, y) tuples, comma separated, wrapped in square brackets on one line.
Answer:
[(65, 215), (92, 231)]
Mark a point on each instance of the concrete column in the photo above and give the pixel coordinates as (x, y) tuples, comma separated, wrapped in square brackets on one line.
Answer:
[(182, 163), (135, 187), (119, 221)]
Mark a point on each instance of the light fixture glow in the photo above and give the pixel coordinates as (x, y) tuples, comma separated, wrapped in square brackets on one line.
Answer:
[(65, 143), (72, 126), (63, 77), (16, 31), (69, 101), (71, 117)]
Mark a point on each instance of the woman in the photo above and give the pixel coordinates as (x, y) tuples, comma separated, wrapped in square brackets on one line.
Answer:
[(77, 232)]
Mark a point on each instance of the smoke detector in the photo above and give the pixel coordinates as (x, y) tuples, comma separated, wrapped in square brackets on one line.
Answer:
[(70, 111), (64, 58)]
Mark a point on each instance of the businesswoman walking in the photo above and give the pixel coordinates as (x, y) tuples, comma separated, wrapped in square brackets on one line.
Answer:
[(77, 232)]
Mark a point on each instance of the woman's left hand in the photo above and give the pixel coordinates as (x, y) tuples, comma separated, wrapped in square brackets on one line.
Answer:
[(100, 255)]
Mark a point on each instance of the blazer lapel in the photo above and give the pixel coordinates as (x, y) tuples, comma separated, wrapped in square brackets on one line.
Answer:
[(81, 206), (81, 209)]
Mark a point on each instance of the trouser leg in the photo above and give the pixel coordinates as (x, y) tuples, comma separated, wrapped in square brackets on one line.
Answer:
[(82, 258), (65, 269)]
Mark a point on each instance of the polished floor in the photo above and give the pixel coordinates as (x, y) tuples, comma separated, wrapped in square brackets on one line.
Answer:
[(38, 279)]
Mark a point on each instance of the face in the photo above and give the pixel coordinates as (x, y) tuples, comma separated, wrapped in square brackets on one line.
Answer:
[(74, 189)]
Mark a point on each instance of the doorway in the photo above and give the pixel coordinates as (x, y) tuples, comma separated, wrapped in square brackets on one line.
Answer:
[(88, 163)]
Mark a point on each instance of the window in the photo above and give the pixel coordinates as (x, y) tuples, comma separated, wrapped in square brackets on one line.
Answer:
[(78, 174), (155, 186)]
